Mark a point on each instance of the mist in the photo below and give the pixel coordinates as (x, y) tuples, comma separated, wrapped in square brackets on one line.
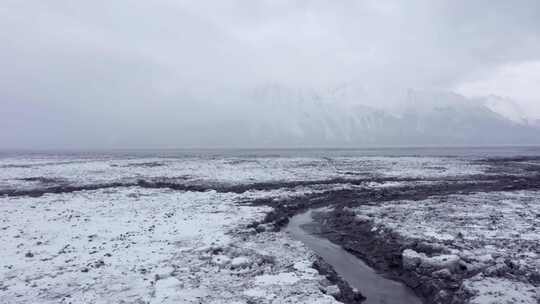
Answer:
[(175, 74)]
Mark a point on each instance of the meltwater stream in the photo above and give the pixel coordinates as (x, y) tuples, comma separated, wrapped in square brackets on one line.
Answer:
[(376, 288)]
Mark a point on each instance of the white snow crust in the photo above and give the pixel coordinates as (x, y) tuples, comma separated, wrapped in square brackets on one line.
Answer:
[(134, 245)]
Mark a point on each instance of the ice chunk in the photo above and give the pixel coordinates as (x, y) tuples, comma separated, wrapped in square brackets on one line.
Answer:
[(413, 260), (240, 262)]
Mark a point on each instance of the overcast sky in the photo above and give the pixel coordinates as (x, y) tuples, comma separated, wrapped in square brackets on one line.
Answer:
[(68, 68)]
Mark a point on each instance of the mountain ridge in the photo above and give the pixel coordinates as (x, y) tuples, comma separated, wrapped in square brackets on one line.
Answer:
[(291, 117)]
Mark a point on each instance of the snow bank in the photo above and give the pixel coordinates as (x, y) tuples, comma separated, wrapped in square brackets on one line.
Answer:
[(495, 235)]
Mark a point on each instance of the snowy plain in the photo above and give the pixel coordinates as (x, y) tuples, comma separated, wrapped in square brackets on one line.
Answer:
[(130, 244), (137, 246)]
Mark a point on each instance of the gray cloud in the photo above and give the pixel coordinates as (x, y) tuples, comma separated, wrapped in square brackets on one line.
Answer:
[(86, 73)]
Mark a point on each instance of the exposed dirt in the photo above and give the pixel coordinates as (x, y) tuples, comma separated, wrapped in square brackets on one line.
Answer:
[(56, 189)]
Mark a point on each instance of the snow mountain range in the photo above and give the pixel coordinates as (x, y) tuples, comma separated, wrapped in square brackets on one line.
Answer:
[(277, 116)]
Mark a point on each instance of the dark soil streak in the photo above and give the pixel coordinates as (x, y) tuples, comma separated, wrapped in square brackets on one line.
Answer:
[(180, 184), (59, 189)]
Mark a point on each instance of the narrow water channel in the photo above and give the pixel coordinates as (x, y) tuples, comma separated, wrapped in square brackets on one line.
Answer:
[(375, 287)]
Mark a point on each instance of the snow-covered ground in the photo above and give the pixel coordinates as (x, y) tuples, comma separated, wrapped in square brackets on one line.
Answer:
[(134, 245), (495, 236), (23, 173)]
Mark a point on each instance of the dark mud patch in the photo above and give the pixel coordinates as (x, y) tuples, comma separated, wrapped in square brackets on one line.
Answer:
[(43, 180), (183, 183), (264, 186), (13, 166), (59, 189)]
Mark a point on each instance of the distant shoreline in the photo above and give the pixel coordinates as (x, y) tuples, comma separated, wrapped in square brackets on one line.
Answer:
[(448, 150)]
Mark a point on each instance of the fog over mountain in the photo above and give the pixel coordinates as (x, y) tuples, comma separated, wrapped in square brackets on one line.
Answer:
[(277, 116), (239, 73)]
